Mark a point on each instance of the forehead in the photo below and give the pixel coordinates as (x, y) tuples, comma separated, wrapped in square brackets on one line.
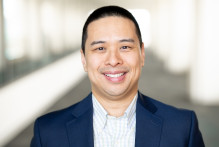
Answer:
[(111, 25)]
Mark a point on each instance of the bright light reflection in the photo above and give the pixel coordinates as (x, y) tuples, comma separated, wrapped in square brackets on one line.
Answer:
[(15, 28)]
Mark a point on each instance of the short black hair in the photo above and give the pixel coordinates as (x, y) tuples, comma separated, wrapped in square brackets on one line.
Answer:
[(105, 12)]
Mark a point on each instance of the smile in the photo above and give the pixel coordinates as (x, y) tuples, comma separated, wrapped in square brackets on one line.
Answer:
[(115, 75)]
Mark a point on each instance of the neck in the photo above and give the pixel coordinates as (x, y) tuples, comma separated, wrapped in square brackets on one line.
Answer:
[(115, 107)]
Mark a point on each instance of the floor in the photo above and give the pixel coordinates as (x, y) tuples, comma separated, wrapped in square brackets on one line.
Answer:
[(155, 82)]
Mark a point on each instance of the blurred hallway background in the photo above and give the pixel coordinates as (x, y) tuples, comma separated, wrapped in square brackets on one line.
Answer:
[(40, 69)]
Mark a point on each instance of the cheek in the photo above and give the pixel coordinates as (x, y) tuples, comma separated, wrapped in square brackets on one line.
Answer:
[(93, 63), (134, 60)]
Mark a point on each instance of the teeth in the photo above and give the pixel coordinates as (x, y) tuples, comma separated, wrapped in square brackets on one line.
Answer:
[(114, 75)]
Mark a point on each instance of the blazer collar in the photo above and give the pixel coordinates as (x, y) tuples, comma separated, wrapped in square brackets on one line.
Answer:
[(148, 124), (80, 128)]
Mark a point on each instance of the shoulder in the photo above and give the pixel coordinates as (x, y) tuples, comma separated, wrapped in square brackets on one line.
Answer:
[(53, 125), (60, 117), (179, 126), (168, 112), (56, 117), (174, 119)]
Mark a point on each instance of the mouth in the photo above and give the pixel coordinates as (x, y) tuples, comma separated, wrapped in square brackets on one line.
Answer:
[(115, 75)]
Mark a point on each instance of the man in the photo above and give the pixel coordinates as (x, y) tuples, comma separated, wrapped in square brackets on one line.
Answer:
[(115, 114)]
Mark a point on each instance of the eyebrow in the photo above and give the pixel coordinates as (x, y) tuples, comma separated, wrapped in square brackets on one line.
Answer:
[(127, 40), (97, 42), (101, 42)]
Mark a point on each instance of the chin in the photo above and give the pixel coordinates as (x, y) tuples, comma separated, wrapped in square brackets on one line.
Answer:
[(115, 93)]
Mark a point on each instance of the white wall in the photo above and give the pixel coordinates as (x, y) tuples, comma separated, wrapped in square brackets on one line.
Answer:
[(22, 101), (204, 76)]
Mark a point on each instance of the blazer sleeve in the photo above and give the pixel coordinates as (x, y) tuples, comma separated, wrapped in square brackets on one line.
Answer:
[(195, 139), (36, 141)]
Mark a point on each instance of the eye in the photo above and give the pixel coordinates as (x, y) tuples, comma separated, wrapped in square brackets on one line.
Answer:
[(124, 47), (100, 48)]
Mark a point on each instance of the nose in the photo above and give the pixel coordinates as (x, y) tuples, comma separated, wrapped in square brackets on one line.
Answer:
[(113, 58)]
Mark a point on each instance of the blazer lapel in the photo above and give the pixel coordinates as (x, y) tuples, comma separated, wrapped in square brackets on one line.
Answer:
[(148, 125), (80, 128)]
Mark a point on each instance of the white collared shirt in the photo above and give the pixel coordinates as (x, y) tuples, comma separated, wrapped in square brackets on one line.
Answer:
[(110, 131)]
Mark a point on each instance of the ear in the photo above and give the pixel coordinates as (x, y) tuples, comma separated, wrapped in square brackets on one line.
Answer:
[(83, 60), (142, 54)]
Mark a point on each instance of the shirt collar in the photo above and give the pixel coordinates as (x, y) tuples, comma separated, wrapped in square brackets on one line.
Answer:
[(101, 114), (131, 111)]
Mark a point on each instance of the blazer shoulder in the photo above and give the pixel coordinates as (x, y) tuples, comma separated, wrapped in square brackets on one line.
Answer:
[(57, 116), (168, 111), (180, 126), (66, 114)]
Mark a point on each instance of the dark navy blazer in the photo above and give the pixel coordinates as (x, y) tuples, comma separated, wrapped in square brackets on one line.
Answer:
[(157, 125)]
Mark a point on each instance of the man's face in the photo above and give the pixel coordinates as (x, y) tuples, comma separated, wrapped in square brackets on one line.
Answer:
[(113, 58)]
